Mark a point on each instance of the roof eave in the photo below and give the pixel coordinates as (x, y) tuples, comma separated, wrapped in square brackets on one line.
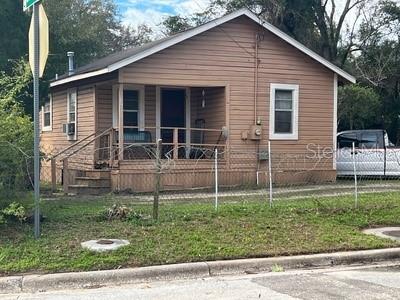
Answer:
[(79, 77)]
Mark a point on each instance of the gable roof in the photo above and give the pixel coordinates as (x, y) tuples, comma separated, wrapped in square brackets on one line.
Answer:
[(121, 59)]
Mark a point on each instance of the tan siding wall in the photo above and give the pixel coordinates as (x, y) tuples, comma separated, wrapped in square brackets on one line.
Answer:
[(54, 141), (214, 59), (150, 110), (104, 107)]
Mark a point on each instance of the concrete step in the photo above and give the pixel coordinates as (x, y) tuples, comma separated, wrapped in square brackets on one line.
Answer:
[(77, 189), (93, 182), (103, 174)]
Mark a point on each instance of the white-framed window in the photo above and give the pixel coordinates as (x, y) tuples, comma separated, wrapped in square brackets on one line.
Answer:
[(47, 114), (72, 104), (284, 110), (132, 105)]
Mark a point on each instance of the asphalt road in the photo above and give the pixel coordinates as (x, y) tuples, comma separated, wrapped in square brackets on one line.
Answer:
[(366, 282)]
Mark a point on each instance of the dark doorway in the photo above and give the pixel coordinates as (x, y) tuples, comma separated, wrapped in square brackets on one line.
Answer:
[(173, 114)]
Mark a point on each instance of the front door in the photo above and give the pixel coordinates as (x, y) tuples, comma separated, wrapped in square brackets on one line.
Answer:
[(173, 114)]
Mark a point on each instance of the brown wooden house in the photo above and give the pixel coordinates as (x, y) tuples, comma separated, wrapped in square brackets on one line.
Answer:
[(231, 84)]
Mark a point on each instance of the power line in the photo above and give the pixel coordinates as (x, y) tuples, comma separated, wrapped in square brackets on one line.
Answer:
[(226, 33)]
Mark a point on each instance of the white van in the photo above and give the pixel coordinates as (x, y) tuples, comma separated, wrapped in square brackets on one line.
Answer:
[(374, 154)]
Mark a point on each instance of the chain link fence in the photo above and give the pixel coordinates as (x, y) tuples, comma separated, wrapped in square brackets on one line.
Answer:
[(215, 175)]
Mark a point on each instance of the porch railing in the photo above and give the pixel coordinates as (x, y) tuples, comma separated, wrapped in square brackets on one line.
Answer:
[(73, 149), (178, 142)]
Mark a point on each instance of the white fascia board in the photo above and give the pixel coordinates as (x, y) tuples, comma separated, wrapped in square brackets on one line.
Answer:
[(79, 77)]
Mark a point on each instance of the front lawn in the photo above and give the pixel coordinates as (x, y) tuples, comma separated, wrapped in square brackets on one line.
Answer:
[(194, 232)]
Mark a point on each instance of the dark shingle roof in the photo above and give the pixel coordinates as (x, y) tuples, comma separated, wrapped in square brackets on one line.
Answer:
[(116, 57)]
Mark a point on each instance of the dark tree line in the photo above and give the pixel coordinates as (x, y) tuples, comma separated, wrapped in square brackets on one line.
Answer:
[(90, 28)]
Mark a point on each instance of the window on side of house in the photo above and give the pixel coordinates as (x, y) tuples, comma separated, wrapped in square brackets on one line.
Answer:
[(284, 100), (72, 113), (47, 115)]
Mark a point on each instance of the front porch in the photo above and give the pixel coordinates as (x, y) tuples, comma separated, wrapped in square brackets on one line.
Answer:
[(190, 122)]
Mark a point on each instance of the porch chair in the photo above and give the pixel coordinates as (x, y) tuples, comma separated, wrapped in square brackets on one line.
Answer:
[(139, 145)]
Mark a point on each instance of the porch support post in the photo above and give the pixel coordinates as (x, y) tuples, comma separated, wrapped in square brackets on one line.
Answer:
[(121, 121), (111, 149), (176, 143), (188, 122), (158, 113)]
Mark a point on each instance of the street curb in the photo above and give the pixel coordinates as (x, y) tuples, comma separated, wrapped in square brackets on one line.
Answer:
[(38, 283)]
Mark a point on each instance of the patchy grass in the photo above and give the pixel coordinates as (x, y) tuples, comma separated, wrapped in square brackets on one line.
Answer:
[(194, 232)]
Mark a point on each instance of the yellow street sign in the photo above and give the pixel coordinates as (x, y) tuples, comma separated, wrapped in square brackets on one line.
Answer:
[(43, 41)]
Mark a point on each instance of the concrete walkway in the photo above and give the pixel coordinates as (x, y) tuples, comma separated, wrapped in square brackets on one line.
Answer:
[(368, 282)]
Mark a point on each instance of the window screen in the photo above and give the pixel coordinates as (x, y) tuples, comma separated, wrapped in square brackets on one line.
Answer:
[(283, 111)]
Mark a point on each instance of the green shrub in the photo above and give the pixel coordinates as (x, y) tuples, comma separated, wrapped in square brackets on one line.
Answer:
[(13, 211)]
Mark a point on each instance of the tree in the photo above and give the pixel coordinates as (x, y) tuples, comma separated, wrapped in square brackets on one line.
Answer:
[(316, 23), (377, 60), (358, 107), (16, 131), (13, 34), (90, 28), (175, 24)]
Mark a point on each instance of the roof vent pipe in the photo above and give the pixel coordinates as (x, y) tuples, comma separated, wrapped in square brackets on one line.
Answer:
[(71, 69)]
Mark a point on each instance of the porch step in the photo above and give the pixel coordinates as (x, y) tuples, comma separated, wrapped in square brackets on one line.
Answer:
[(93, 182), (103, 174), (77, 189)]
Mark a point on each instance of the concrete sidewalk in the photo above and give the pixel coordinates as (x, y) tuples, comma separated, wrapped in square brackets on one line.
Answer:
[(48, 282)]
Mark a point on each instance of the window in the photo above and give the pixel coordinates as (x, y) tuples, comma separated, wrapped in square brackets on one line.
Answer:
[(71, 112), (283, 124), (47, 115), (131, 108), (133, 111)]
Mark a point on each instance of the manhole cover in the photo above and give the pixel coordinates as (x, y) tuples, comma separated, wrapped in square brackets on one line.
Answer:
[(105, 242), (102, 245), (394, 233)]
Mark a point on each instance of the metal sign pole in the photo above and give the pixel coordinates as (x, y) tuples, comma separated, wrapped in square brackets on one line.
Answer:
[(36, 118)]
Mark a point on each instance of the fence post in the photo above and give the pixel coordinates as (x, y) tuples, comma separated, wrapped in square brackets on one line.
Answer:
[(111, 141), (216, 177), (157, 181), (65, 175), (355, 176), (53, 175), (270, 174), (176, 143)]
